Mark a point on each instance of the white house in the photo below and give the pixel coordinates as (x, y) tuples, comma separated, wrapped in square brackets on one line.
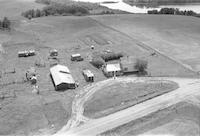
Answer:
[(62, 77), (111, 70)]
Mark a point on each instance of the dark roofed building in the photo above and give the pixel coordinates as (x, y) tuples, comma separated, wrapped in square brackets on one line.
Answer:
[(128, 64)]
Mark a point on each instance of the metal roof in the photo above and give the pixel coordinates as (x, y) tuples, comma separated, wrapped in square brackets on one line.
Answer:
[(76, 55), (61, 74), (113, 67), (88, 73)]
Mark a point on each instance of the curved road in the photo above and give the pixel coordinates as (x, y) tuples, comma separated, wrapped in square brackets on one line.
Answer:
[(187, 88)]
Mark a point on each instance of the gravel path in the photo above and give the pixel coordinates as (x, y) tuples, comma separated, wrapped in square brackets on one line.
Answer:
[(77, 107)]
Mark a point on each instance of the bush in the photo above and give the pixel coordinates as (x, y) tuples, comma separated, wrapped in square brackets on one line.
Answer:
[(5, 24), (111, 56), (141, 66), (167, 11), (98, 62), (152, 11)]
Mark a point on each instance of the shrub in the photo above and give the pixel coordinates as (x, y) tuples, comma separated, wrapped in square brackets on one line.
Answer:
[(141, 66), (5, 23), (98, 62), (152, 11), (111, 56)]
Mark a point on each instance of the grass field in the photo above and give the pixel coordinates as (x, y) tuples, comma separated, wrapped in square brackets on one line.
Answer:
[(26, 112), (68, 35), (175, 36), (181, 119), (13, 8), (119, 96)]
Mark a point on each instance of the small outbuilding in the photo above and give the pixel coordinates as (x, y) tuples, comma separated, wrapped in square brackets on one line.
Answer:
[(31, 52), (76, 57), (62, 78), (88, 75), (111, 70), (31, 72), (53, 52)]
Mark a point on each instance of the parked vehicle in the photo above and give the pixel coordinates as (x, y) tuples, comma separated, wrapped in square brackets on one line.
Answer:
[(76, 57), (26, 53)]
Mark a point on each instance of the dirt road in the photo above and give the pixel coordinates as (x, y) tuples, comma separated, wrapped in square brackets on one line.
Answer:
[(187, 88)]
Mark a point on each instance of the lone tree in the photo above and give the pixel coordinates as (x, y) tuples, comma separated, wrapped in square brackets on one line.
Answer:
[(6, 23), (141, 66)]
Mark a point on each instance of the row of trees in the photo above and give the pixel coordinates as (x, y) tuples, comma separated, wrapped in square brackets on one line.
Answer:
[(47, 2), (56, 9), (5, 24), (173, 11)]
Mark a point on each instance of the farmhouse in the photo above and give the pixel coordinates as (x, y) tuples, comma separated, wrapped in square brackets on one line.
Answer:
[(62, 78), (128, 64), (111, 70), (88, 75)]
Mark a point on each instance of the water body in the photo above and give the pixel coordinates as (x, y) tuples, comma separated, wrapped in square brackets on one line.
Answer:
[(119, 4)]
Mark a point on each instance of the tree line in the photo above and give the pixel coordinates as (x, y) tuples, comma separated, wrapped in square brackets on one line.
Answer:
[(56, 9), (5, 23), (173, 11)]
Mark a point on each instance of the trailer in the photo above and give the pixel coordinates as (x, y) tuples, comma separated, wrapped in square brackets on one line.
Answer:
[(88, 75), (76, 57), (26, 53)]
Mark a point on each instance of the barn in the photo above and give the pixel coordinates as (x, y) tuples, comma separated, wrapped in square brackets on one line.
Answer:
[(62, 78)]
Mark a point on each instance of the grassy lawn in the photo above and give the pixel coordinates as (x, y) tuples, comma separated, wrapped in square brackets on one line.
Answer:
[(174, 36), (119, 96), (13, 8)]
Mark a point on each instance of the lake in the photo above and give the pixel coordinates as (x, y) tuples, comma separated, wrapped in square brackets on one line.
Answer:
[(119, 4)]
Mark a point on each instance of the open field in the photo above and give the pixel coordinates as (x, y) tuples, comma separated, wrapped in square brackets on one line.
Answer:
[(119, 96), (23, 112), (68, 35), (77, 34), (14, 8), (181, 119), (174, 36)]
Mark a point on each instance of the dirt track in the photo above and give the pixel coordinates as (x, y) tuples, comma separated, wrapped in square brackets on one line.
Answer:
[(188, 88)]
